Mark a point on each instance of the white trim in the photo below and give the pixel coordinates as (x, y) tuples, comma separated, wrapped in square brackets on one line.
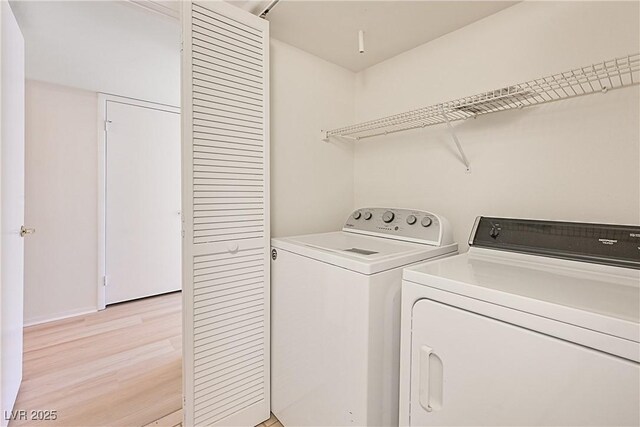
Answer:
[(188, 358), (100, 120), (103, 99), (139, 102), (60, 316), (267, 208), (163, 8)]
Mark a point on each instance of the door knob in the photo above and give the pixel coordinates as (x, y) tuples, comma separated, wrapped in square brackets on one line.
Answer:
[(24, 231)]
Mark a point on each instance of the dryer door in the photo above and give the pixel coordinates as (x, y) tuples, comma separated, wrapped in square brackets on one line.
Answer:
[(468, 369)]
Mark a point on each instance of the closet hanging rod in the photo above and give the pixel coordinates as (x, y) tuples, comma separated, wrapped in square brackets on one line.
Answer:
[(594, 78), (267, 9)]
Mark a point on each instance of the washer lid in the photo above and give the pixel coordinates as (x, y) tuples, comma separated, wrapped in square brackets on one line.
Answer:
[(601, 298), (360, 253)]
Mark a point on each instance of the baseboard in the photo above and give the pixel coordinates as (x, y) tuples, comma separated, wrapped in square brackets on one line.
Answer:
[(59, 316)]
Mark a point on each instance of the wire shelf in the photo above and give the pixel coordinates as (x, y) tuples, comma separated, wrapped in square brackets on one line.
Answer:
[(596, 78)]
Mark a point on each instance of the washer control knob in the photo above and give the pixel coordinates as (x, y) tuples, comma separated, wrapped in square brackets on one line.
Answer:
[(367, 215), (357, 215), (388, 216), (411, 219), (426, 221)]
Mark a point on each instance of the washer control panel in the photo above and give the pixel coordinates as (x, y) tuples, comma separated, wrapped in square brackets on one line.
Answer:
[(400, 224)]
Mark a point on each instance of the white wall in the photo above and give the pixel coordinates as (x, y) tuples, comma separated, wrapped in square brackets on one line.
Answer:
[(102, 46), (572, 160), (61, 201), (311, 181)]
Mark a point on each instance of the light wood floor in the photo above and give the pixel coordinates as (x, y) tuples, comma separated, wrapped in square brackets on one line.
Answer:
[(175, 420), (118, 367)]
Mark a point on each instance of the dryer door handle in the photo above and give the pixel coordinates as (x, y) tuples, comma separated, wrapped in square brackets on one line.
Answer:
[(430, 385)]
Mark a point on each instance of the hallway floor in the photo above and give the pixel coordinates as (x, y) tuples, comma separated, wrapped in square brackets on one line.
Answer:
[(118, 367)]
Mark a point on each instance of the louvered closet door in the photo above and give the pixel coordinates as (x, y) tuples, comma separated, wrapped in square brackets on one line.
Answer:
[(226, 215)]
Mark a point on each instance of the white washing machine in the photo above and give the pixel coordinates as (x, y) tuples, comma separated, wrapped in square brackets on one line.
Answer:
[(335, 316), (538, 324)]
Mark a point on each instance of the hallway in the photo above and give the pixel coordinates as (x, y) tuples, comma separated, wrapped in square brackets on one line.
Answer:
[(117, 367)]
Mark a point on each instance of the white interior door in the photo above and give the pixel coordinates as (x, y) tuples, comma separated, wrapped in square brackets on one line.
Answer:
[(142, 219), (226, 215), (12, 200), (468, 369)]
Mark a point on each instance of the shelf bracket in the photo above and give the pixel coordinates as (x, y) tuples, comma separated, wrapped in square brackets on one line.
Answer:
[(455, 139), (324, 136)]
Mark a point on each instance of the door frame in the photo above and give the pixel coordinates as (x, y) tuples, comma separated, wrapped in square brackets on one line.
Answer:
[(12, 217), (102, 125)]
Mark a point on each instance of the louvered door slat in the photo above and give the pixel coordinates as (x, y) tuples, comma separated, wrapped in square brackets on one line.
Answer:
[(203, 222), (224, 36), (210, 283), (231, 20), (205, 135), (213, 111), (231, 52), (236, 46), (203, 92), (227, 146), (222, 73), (201, 24), (223, 130), (226, 221), (247, 94), (231, 384), (237, 165), (216, 165), (238, 380), (229, 317), (215, 120), (201, 57), (231, 377), (223, 383), (221, 154), (248, 322), (217, 127)]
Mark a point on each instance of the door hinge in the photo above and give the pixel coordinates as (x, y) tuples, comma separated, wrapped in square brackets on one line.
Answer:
[(106, 125), (104, 280)]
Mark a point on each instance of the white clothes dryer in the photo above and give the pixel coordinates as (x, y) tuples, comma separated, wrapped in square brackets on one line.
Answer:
[(538, 325), (335, 316)]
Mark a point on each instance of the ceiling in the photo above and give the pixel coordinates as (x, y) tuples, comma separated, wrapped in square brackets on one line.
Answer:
[(329, 29), (102, 46)]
